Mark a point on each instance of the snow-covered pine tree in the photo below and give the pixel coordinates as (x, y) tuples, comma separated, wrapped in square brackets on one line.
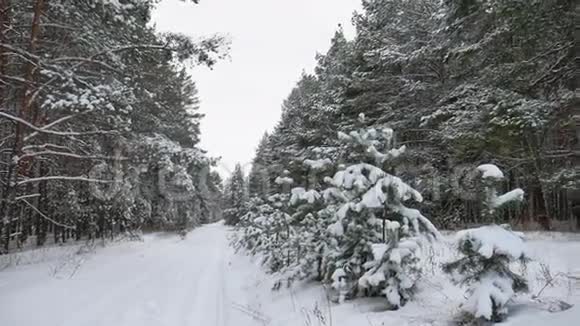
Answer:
[(487, 253), (378, 256), (266, 231), (310, 215), (167, 184), (215, 194), (258, 177), (492, 202), (100, 60), (236, 196), (250, 233)]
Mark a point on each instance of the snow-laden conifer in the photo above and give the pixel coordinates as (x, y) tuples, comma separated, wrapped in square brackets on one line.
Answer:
[(488, 254)]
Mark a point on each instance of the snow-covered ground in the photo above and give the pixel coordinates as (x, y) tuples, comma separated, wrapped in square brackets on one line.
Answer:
[(200, 281)]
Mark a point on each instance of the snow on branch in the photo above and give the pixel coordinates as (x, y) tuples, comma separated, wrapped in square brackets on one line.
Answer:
[(53, 132), (486, 267), (48, 218), (48, 178), (284, 181), (77, 156), (45, 146), (15, 79), (26, 197), (490, 171), (300, 194), (389, 155), (354, 175), (331, 194), (23, 53), (126, 48), (370, 139), (490, 174), (492, 240), (493, 290), (389, 189), (417, 220), (318, 164), (86, 60), (516, 195)]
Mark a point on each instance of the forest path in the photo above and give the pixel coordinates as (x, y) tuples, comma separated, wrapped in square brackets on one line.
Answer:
[(161, 281), (200, 281)]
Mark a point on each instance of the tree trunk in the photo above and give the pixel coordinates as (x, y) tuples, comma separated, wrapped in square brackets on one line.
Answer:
[(4, 25), (7, 209)]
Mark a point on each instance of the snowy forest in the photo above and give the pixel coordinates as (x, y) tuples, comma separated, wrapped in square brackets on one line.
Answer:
[(424, 173), (99, 117), (437, 115), (462, 83)]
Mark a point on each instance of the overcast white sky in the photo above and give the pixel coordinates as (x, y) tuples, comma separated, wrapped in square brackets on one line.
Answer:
[(272, 42)]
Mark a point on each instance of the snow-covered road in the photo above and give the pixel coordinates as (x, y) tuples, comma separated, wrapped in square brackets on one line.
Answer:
[(199, 281), (164, 281)]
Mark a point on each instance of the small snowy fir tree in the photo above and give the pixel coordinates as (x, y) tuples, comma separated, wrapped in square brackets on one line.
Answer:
[(250, 233), (266, 230), (492, 202), (378, 239), (486, 255), (310, 215)]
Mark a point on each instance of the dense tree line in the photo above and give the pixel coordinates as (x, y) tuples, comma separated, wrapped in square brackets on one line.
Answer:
[(359, 229), (99, 122), (463, 82), (446, 114)]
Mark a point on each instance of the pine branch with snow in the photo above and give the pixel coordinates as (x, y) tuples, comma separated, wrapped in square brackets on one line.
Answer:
[(493, 202), (376, 239), (485, 269), (487, 253)]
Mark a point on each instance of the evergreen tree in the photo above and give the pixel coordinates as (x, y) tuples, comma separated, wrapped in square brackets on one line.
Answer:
[(379, 256), (463, 82), (487, 255), (236, 196), (84, 86), (258, 178), (336, 233)]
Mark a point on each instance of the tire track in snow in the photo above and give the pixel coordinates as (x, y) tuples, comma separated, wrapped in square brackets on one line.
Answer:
[(209, 302)]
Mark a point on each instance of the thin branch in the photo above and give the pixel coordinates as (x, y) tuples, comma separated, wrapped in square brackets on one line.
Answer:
[(15, 79), (53, 132), (21, 52), (23, 57), (55, 122), (48, 218), (5, 139), (45, 146), (85, 60), (56, 177), (132, 47), (548, 71), (26, 197), (59, 26), (72, 155)]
